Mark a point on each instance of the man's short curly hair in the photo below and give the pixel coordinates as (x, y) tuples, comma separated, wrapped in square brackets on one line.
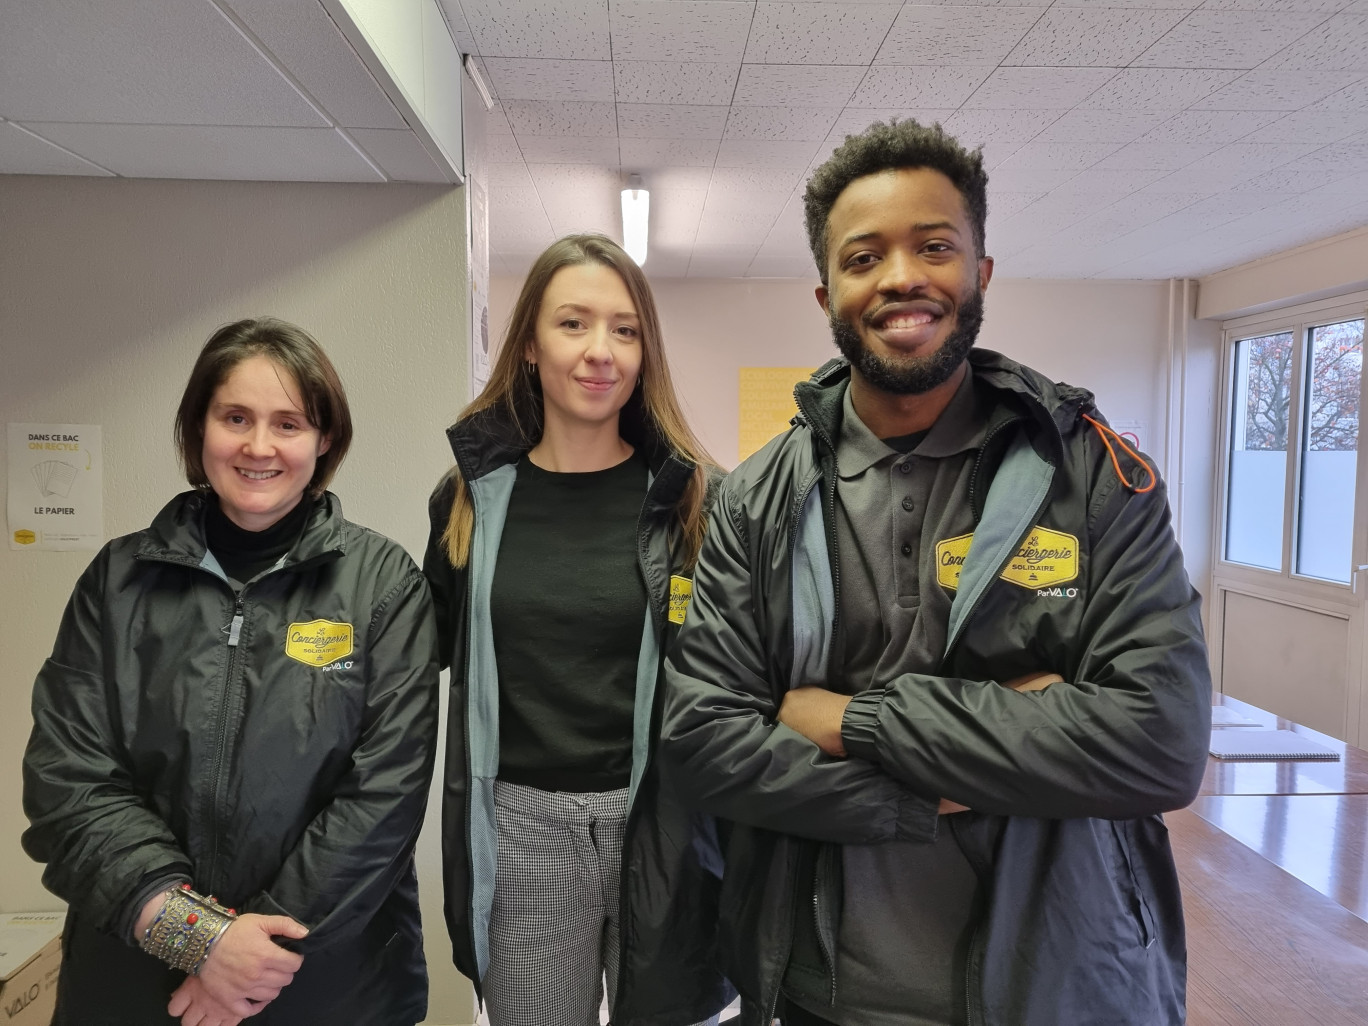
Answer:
[(887, 146)]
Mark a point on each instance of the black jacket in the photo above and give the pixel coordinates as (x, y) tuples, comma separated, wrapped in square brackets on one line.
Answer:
[(671, 868), (1083, 924), (278, 762)]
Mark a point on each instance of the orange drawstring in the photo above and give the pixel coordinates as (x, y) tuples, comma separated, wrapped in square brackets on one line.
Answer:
[(1103, 431)]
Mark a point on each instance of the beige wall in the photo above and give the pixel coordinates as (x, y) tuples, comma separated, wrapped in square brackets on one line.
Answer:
[(107, 290), (1331, 267), (1111, 337)]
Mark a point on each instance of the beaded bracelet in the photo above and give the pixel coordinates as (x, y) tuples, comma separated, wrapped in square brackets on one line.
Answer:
[(184, 932)]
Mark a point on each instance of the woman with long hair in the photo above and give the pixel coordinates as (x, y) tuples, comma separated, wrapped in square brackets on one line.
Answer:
[(561, 560), (233, 737)]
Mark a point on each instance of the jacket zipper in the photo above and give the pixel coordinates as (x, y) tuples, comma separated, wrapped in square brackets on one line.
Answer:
[(657, 625), (234, 636)]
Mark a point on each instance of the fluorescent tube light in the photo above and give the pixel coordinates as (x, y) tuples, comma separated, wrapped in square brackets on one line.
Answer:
[(636, 208)]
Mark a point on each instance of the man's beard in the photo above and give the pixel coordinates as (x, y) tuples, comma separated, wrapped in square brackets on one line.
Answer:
[(911, 375)]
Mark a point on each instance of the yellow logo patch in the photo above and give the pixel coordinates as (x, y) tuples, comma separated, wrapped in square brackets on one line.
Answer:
[(681, 591), (950, 560), (1045, 558), (23, 537), (318, 642)]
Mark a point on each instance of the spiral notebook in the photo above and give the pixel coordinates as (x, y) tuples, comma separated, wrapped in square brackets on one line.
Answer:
[(1257, 745)]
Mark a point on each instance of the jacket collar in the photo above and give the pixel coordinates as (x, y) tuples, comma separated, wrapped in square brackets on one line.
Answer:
[(490, 439), (177, 532), (1054, 408)]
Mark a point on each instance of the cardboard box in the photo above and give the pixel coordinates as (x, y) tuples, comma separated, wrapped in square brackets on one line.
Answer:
[(30, 956)]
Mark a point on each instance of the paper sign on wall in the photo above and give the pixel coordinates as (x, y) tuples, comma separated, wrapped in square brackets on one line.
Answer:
[(767, 405), (56, 486)]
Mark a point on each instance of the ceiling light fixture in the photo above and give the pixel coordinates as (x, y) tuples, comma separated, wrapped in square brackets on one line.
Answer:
[(636, 208)]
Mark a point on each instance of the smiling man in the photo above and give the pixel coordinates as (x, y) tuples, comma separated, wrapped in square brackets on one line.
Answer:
[(943, 668)]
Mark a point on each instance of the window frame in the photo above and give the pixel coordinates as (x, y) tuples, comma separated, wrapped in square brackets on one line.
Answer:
[(1314, 592)]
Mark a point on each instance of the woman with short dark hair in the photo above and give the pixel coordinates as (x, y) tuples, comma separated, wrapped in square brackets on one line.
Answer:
[(233, 737)]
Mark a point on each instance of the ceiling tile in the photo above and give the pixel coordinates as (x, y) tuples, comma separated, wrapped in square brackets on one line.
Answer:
[(1350, 156), (675, 82), (1303, 176), (165, 63), (1116, 126), (1111, 181), (637, 154), (669, 180), (496, 122), (1157, 89), (955, 35), (854, 120), (305, 40), (502, 149), (1092, 37), (1214, 126), (1354, 97), (1038, 180), (674, 218), (1154, 4), (234, 153), (1039, 88), (721, 262), (670, 121), (795, 85), (23, 153), (540, 28), (1003, 204), (817, 33), (1308, 126), (789, 124), (679, 30), (1227, 39), (741, 181), (569, 150), (509, 176), (1239, 162), (1340, 43), (562, 118), (973, 127), (521, 78), (399, 153), (1278, 90), (666, 263), (765, 153), (931, 87), (1036, 156), (1160, 156), (1324, 6), (456, 22)]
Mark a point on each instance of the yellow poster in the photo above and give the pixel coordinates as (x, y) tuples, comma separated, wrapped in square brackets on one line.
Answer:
[(767, 405)]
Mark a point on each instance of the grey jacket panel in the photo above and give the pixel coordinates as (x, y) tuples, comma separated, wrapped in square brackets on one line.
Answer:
[(1122, 740)]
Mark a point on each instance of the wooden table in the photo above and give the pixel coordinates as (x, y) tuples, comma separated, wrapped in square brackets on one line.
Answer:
[(1264, 949), (1347, 776)]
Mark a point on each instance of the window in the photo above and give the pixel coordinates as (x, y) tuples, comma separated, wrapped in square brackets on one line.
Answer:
[(1295, 390)]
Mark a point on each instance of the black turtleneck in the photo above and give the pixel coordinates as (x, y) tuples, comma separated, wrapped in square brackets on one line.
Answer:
[(243, 554)]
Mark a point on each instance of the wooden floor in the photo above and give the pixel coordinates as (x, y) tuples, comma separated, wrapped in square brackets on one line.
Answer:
[(1273, 860)]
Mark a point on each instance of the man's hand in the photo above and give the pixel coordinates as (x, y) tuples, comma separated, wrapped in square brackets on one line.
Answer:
[(194, 1007), (1037, 681), (816, 714), (247, 968)]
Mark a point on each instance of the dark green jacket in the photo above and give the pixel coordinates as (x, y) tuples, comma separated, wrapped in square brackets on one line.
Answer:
[(1083, 924), (671, 867), (183, 729)]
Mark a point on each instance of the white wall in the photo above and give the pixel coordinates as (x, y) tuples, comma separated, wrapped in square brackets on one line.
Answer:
[(107, 290)]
